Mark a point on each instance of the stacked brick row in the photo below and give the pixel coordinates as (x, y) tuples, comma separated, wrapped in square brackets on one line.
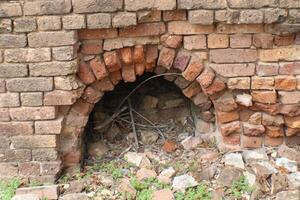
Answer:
[(231, 54)]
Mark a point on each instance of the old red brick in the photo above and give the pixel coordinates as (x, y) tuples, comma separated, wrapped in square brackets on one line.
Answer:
[(51, 168), (230, 128), (166, 57), (151, 54), (292, 131), (206, 78), (149, 29), (274, 131), (294, 140), (29, 169), (126, 56), (174, 15), (292, 122), (200, 99), (216, 87), (284, 40), (272, 109), (128, 73), (171, 41), (33, 113), (97, 34), (192, 90), (16, 128), (267, 69), (49, 126), (115, 77), (91, 95), (92, 47), (232, 139), (138, 54), (285, 83), (169, 146), (182, 60), (264, 96), (259, 83), (240, 41), (61, 97), (85, 73), (233, 55), (194, 69), (98, 67), (224, 117), (290, 110), (139, 69), (271, 141), (251, 142), (215, 41), (104, 85), (225, 102), (289, 68), (253, 130), (83, 107), (263, 40), (112, 61)]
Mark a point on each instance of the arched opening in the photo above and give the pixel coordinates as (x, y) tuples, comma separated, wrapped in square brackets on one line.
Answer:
[(102, 72), (154, 110)]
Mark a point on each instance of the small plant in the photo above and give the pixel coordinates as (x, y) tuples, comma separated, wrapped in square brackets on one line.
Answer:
[(146, 187), (111, 168), (239, 188), (8, 190), (196, 193)]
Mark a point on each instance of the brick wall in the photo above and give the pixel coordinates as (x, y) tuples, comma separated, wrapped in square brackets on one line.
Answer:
[(58, 57)]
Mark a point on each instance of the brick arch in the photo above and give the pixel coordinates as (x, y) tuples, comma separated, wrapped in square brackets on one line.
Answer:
[(102, 72)]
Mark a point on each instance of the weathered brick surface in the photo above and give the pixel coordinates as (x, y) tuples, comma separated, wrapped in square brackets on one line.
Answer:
[(49, 23), (53, 68), (195, 42), (65, 53), (234, 70), (47, 7), (60, 97), (12, 41), (59, 57), (143, 30), (124, 19), (29, 84), (8, 70), (27, 55), (134, 5), (25, 25), (33, 113), (74, 22), (186, 28), (233, 56), (217, 41), (98, 6), (34, 141), (31, 99), (16, 128), (48, 127), (10, 9), (50, 39), (100, 20), (204, 17)]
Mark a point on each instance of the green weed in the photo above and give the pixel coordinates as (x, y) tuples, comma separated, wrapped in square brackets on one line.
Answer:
[(196, 193), (146, 187), (8, 189), (239, 188)]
